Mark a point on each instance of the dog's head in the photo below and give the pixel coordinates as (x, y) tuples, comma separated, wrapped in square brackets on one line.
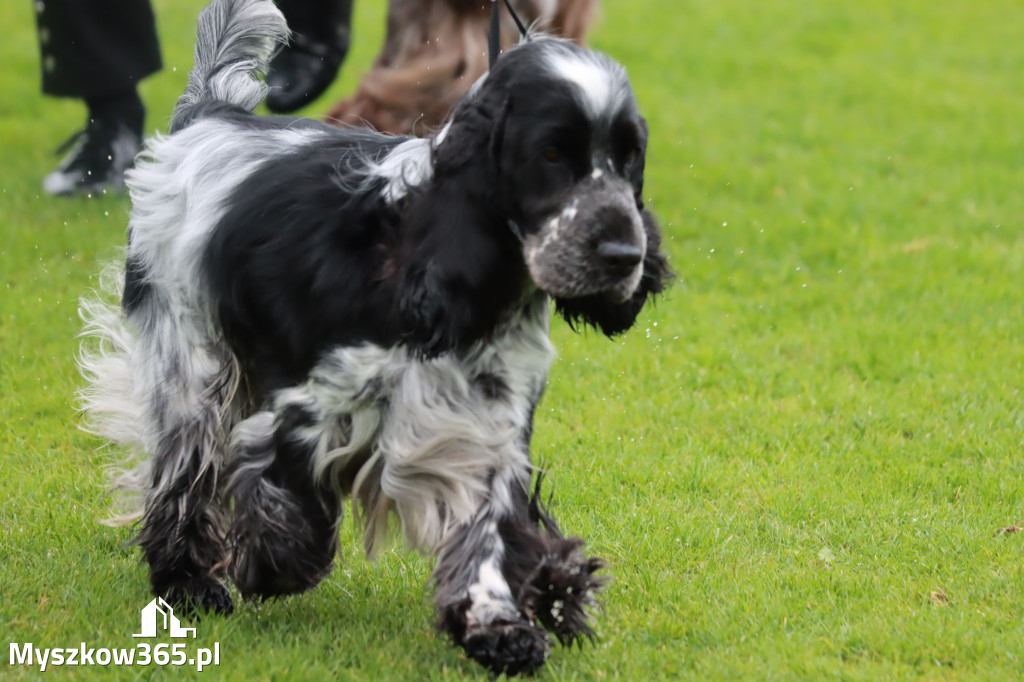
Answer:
[(552, 144), (572, 145)]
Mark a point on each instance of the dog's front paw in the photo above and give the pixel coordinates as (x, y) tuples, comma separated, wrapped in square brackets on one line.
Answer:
[(280, 543), (564, 591), (512, 648), (193, 596), (273, 569)]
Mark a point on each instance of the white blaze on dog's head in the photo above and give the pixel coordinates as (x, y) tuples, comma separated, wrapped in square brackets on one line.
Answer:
[(602, 84)]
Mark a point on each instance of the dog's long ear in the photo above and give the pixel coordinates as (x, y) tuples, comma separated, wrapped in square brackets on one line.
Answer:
[(458, 267), (636, 173), (614, 318)]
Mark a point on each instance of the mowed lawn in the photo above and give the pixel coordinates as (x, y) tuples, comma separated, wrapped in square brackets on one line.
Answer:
[(806, 462)]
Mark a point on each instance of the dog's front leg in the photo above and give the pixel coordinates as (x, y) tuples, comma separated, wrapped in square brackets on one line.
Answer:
[(478, 606), (284, 534), (556, 582), (510, 571)]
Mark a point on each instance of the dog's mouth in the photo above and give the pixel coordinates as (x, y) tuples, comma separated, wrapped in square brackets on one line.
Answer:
[(565, 273), (624, 290), (587, 250)]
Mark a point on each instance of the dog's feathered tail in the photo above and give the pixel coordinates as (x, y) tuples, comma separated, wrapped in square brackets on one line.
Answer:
[(234, 42)]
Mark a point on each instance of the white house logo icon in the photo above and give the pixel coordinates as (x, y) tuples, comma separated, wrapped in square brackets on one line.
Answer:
[(170, 622)]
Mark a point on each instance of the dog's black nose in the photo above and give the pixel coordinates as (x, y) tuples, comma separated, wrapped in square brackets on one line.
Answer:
[(620, 256)]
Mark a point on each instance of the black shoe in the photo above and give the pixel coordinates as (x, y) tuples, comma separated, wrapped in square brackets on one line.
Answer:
[(301, 71), (99, 156)]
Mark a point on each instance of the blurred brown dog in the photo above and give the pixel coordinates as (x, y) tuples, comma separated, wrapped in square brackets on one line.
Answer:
[(434, 50)]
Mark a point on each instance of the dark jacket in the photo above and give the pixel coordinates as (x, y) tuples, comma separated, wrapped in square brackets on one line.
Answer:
[(92, 48)]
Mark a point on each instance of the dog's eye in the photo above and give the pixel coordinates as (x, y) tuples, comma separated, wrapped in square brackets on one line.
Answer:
[(552, 154), (631, 157)]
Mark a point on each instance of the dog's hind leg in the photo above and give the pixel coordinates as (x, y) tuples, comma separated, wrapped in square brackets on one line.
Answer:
[(182, 533), (187, 394)]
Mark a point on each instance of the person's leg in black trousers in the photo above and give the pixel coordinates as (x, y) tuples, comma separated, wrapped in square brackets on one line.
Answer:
[(98, 51), (303, 69)]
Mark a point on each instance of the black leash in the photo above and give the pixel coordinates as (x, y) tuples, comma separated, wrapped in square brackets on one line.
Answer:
[(494, 42), (494, 45)]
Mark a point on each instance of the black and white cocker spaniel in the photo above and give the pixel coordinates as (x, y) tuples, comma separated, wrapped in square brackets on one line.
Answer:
[(310, 313)]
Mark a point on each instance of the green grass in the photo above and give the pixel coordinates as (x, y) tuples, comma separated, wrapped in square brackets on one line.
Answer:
[(797, 463)]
